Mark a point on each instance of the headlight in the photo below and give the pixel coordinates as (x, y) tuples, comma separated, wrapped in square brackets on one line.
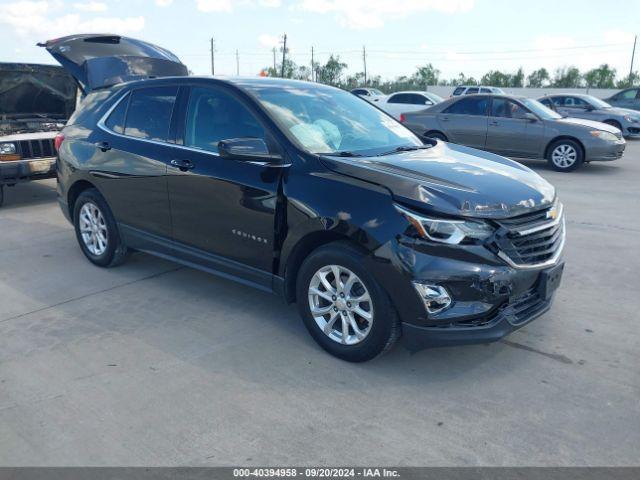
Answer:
[(452, 232), (606, 136), (7, 148), (631, 119)]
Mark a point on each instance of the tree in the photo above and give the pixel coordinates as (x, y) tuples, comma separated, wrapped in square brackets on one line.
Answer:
[(538, 78), (627, 82), (331, 72), (567, 77), (427, 75), (496, 78), (601, 77), (517, 80)]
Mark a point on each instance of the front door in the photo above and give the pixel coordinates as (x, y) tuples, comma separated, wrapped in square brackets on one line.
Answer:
[(510, 132), (223, 210)]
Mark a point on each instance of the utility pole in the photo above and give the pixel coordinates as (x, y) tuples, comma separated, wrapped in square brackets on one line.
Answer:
[(312, 65), (213, 63), (237, 63), (275, 67), (284, 53), (364, 60), (633, 54)]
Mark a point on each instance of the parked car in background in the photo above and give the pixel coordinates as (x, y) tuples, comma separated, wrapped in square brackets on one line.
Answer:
[(35, 103), (473, 89), (518, 127), (303, 190), (399, 102), (629, 98), (592, 108), (369, 94)]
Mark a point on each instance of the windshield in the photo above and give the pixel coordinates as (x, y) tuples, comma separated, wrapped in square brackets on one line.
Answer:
[(328, 120), (36, 90), (596, 102), (375, 91), (539, 109), (435, 98)]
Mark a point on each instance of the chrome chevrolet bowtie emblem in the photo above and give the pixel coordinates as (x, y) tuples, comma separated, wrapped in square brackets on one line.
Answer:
[(552, 213)]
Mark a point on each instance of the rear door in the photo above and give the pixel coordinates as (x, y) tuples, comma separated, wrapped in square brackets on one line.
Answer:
[(510, 132), (98, 61), (133, 147), (627, 99), (223, 210), (465, 121)]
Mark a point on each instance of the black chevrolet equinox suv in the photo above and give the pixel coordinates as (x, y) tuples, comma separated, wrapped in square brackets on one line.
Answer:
[(306, 191)]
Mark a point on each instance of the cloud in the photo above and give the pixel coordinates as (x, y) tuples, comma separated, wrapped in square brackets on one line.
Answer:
[(270, 3), (46, 19), (366, 14), (269, 41), (164, 3), (91, 6), (214, 5)]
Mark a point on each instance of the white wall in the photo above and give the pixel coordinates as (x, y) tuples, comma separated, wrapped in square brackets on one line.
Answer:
[(445, 92)]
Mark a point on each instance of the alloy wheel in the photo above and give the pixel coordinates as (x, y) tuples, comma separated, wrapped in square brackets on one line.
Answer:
[(564, 156), (340, 304), (93, 229)]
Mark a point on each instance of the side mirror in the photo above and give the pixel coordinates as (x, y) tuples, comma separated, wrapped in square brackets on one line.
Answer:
[(428, 102), (248, 149), (530, 117), (589, 108)]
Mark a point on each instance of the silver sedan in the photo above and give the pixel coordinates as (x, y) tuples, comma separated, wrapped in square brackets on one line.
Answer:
[(518, 127), (592, 108)]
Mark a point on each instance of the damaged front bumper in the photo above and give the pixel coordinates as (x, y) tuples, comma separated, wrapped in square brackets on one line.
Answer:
[(17, 171), (488, 298)]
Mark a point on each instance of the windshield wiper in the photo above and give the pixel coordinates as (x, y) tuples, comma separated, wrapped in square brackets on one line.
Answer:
[(344, 153), (404, 148)]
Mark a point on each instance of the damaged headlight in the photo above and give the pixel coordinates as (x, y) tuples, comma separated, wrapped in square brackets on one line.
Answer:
[(7, 148), (452, 232)]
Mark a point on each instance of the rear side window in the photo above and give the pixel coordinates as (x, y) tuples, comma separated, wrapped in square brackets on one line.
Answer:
[(149, 113), (214, 115), (415, 99), (399, 98), (469, 106), (115, 122), (485, 90), (458, 91), (472, 90)]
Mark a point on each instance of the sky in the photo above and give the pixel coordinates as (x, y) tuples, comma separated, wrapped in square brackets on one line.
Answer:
[(469, 36)]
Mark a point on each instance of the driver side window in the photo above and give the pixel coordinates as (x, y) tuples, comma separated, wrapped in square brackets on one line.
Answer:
[(214, 115)]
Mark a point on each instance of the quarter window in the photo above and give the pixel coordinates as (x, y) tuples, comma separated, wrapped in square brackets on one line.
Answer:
[(149, 113), (214, 115), (115, 122), (469, 106)]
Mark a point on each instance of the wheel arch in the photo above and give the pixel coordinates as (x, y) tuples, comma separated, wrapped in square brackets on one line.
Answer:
[(302, 249), (74, 192), (439, 132), (563, 137)]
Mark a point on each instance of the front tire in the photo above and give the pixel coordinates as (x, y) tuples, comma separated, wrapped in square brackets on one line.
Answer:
[(97, 231), (565, 155), (344, 308), (614, 123)]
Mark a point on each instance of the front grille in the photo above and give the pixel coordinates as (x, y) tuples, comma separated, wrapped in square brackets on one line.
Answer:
[(531, 239), (36, 148)]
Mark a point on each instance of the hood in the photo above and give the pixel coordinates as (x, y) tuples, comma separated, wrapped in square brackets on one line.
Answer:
[(453, 180), (35, 92), (591, 124), (103, 60)]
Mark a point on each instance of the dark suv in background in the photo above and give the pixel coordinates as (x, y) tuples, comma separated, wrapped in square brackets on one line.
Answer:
[(309, 192)]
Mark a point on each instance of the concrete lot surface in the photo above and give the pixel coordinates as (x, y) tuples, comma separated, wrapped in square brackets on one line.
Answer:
[(151, 363)]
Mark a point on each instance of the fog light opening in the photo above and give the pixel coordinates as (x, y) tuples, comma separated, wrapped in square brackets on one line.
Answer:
[(435, 297)]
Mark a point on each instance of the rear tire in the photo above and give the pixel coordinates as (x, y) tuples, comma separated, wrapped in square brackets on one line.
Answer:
[(565, 155), (97, 231), (437, 135), (358, 305)]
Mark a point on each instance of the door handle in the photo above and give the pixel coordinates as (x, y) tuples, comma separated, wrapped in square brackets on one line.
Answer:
[(104, 146), (445, 119), (493, 123), (183, 165)]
